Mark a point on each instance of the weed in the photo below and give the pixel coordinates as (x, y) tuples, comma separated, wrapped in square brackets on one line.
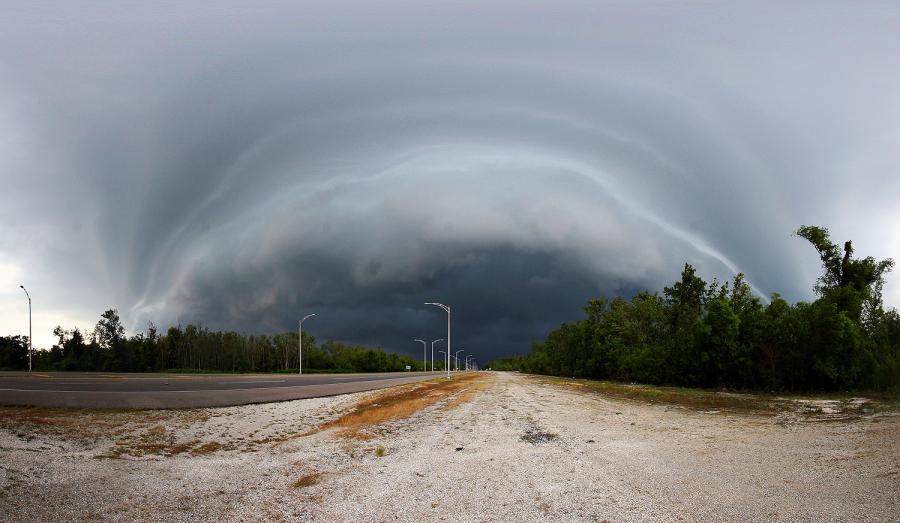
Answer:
[(379, 451), (536, 437), (307, 481), (206, 448)]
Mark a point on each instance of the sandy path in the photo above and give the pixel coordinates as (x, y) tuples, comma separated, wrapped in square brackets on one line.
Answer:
[(529, 451)]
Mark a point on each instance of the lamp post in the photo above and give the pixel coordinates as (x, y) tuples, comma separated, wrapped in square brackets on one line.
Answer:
[(447, 310), (424, 354), (30, 343), (300, 341), (444, 353), (432, 353), (456, 358), (467, 361)]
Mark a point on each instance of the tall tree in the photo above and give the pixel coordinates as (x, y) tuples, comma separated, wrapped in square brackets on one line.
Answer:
[(853, 284), (110, 335)]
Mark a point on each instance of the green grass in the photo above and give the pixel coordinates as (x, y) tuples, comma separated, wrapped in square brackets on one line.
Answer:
[(316, 371), (688, 397)]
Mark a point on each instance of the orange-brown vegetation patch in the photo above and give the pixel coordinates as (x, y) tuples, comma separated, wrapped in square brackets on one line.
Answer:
[(206, 448), (307, 480), (397, 403)]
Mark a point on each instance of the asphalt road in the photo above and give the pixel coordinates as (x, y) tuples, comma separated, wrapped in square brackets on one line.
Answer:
[(165, 391)]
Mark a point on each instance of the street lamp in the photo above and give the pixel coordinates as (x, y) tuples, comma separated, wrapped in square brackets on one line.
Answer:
[(300, 341), (444, 353), (424, 354), (30, 344), (447, 310), (456, 358), (467, 361), (432, 353)]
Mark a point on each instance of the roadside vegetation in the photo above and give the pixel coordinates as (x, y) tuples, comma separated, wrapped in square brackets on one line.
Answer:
[(402, 402), (193, 348), (699, 334)]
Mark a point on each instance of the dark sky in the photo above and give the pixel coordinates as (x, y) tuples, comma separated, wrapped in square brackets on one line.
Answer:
[(244, 164)]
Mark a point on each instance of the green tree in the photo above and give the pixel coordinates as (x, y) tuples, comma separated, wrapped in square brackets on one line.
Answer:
[(723, 362), (853, 284), (13, 352), (684, 299)]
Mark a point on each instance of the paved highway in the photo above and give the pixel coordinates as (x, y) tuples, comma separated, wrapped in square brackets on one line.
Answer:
[(151, 391)]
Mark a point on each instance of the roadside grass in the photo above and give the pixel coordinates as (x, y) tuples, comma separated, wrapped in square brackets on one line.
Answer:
[(397, 403), (693, 398), (822, 407), (320, 371)]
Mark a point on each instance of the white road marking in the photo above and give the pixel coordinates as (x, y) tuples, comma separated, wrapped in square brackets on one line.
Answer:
[(179, 391), (84, 383), (261, 381)]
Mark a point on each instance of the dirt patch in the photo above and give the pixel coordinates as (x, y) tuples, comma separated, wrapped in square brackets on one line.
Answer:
[(155, 441), (832, 410), (536, 437)]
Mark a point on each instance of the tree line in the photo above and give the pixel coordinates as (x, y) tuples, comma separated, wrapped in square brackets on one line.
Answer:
[(193, 348), (707, 334)]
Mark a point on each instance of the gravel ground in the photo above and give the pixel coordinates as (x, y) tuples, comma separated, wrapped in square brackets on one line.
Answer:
[(519, 450)]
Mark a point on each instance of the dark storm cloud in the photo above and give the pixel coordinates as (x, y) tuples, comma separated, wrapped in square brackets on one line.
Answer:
[(242, 166)]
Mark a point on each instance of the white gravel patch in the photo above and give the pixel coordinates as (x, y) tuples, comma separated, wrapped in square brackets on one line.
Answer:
[(518, 451)]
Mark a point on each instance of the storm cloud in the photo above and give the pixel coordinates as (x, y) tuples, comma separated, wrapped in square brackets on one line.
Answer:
[(243, 164)]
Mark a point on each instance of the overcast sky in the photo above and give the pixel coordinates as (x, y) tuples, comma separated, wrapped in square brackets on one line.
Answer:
[(243, 165)]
